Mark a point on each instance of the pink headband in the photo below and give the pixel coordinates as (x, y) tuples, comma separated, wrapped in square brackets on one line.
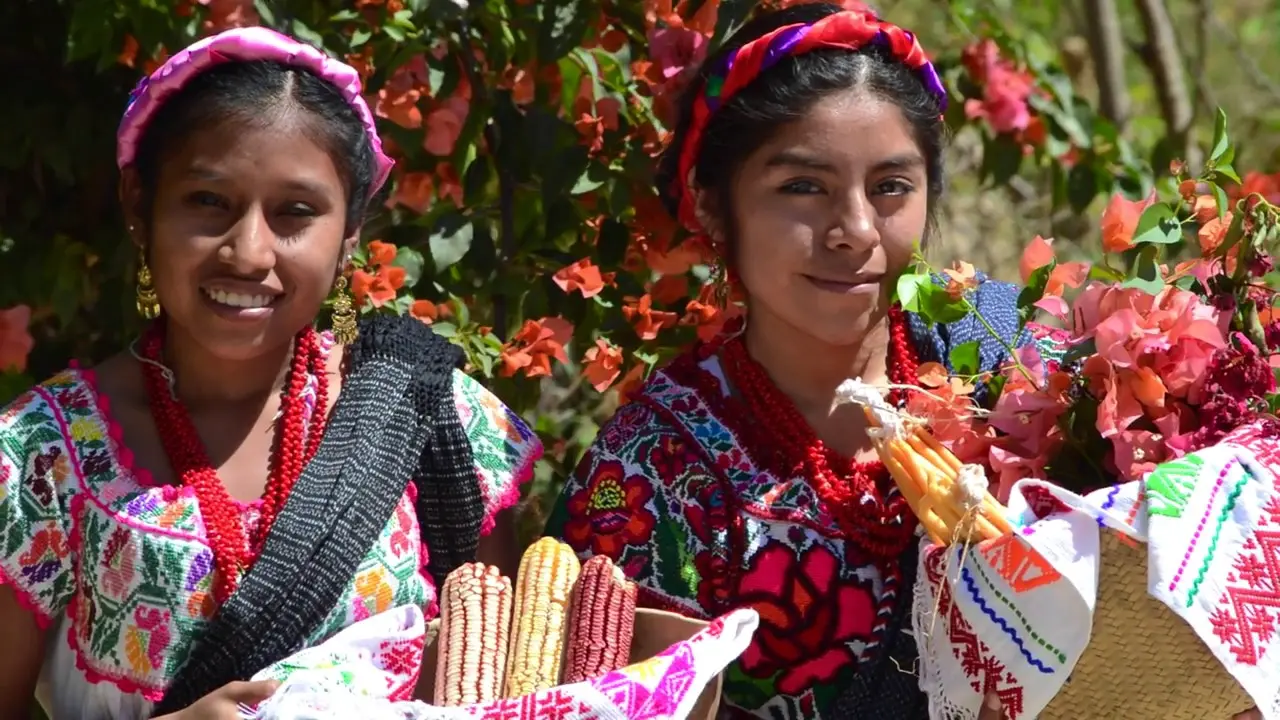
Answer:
[(242, 44)]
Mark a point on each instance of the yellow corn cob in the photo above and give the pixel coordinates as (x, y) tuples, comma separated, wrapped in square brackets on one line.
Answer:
[(548, 571), (928, 475), (602, 614), (475, 623)]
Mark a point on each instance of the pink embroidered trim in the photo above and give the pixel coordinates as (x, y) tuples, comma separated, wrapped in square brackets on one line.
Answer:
[(27, 601), (510, 495)]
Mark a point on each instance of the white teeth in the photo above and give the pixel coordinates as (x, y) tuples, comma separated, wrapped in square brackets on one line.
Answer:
[(239, 300)]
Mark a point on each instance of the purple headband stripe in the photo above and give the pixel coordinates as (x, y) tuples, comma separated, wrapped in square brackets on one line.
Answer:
[(242, 44)]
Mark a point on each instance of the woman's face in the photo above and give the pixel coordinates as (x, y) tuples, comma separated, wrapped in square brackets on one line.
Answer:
[(826, 216), (246, 235)]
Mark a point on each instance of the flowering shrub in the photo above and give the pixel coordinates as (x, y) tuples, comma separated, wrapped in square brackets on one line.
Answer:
[(521, 220), (1157, 361)]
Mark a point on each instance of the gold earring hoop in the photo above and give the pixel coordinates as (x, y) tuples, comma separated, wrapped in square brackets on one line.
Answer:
[(148, 303), (343, 322)]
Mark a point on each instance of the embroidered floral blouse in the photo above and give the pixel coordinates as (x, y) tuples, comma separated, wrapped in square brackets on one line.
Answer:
[(705, 524), (119, 569)]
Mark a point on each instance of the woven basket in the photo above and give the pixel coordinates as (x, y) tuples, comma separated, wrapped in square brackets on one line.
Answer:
[(1143, 662)]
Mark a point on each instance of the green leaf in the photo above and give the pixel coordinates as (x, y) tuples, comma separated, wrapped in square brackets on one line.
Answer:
[(937, 305), (1033, 291), (1080, 351), (1157, 225), (1145, 273), (1001, 159), (1082, 186), (1220, 141), (908, 290), (563, 25), (445, 329), (1105, 274), (450, 242), (1220, 197), (964, 358), (412, 261)]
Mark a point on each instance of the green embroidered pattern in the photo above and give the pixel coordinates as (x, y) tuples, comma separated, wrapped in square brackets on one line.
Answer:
[(1170, 485)]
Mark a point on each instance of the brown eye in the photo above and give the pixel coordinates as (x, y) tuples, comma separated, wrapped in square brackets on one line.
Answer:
[(202, 198), (894, 186), (801, 187)]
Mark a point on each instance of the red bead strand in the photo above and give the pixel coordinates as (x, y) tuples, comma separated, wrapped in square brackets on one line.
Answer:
[(884, 526), (232, 548)]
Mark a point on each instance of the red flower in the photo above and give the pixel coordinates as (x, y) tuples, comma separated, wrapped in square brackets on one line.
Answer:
[(671, 457), (713, 581), (610, 512), (808, 615)]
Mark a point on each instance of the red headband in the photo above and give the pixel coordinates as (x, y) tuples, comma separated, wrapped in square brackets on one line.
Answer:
[(848, 30)]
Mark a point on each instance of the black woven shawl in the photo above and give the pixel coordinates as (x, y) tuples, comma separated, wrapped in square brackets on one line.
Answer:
[(395, 421)]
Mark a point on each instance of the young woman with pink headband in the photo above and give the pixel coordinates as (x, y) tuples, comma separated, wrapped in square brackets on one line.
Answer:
[(236, 485), (809, 156)]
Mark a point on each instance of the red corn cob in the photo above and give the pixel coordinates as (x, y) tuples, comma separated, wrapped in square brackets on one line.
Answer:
[(602, 611)]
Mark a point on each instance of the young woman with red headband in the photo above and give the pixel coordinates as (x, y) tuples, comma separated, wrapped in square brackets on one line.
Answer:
[(809, 154), (191, 510)]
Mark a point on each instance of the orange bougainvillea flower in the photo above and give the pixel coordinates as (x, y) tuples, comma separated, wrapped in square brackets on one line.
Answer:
[(397, 101), (602, 364), (379, 287), (670, 289), (582, 275), (961, 277), (227, 14), (1064, 275), (425, 310), (381, 253), (1213, 232), (128, 51), (535, 345), (647, 321), (414, 190), (1205, 208), (447, 183), (631, 383), (15, 340), (1120, 220)]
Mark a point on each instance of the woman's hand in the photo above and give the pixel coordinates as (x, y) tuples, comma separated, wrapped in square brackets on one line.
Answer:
[(993, 710), (224, 703)]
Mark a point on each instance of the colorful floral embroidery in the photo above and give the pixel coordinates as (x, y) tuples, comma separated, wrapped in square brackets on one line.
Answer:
[(86, 536), (671, 493), (610, 512)]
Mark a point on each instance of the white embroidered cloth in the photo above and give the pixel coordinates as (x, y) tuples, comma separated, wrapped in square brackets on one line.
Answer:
[(1014, 615), (369, 671)]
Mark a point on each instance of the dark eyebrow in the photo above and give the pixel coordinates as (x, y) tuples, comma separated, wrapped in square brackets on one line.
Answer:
[(910, 161), (208, 174), (794, 158), (797, 159)]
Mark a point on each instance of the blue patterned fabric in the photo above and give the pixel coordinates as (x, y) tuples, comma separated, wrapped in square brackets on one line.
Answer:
[(998, 303)]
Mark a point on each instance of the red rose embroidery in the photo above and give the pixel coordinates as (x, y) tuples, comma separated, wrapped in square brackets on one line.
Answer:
[(808, 615)]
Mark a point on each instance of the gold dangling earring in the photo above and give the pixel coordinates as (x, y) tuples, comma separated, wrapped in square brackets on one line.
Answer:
[(147, 302), (344, 314)]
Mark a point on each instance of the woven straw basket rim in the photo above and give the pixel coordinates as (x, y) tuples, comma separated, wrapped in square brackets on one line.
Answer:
[(1143, 661)]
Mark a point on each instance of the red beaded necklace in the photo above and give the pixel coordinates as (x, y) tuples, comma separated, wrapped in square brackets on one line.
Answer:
[(858, 494), (233, 549)]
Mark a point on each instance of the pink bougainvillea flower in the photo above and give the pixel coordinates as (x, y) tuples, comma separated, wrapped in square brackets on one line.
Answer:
[(1137, 452), (15, 340), (1005, 89), (673, 49)]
